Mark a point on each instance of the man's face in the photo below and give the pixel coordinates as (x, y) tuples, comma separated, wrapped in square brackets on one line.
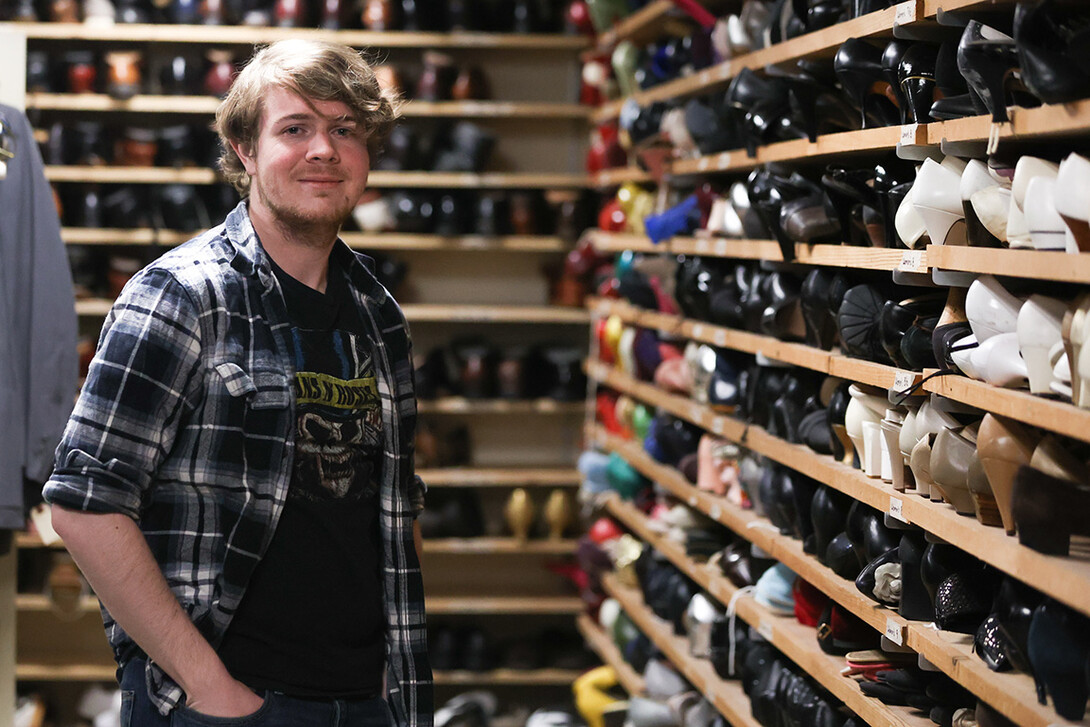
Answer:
[(308, 168)]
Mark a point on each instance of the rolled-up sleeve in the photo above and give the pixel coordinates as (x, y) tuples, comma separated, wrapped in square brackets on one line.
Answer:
[(129, 409)]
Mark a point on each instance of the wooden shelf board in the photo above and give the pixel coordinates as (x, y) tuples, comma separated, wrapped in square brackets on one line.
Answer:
[(725, 247), (207, 105), (620, 175), (529, 677), (1014, 694), (416, 312), (726, 696), (429, 180), (131, 175), (1050, 414), (249, 36), (506, 546), (108, 236), (512, 477), (1039, 264), (25, 541), (461, 243), (599, 641), (1065, 579), (38, 603), (619, 242), (1051, 120), (448, 605), (58, 672), (461, 405), (639, 22), (868, 372)]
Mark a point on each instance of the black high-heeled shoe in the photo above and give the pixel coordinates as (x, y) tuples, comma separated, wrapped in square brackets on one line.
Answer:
[(822, 291), (847, 190), (916, 78), (1059, 647), (757, 105), (1054, 46), (988, 59), (891, 63), (858, 66)]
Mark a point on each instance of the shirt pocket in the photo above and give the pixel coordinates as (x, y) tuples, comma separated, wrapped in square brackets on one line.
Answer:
[(261, 388)]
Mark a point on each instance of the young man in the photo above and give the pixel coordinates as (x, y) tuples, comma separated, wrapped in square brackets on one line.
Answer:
[(236, 481)]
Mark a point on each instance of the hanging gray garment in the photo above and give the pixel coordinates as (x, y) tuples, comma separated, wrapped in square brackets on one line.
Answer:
[(38, 364)]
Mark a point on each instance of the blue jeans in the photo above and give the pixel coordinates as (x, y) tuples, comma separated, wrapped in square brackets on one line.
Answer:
[(279, 710)]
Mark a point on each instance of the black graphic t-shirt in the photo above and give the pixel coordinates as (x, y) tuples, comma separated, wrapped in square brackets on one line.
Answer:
[(311, 622)]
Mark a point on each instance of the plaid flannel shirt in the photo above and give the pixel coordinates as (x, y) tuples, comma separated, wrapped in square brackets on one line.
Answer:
[(186, 424)]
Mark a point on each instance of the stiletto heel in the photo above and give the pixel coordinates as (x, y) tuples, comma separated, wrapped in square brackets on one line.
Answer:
[(1040, 321), (916, 79)]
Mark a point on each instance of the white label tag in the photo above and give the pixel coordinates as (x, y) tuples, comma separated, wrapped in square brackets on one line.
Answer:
[(720, 247), (705, 164), (724, 161), (698, 330), (692, 501), (894, 632), (714, 512), (696, 413), (908, 134), (702, 247), (903, 380), (720, 338), (911, 261), (764, 628), (906, 13), (719, 426), (724, 71), (896, 509), (706, 75)]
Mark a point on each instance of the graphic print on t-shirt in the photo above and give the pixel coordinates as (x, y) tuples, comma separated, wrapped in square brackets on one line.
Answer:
[(339, 420)]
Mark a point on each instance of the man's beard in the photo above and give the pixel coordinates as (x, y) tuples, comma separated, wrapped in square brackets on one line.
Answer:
[(301, 226)]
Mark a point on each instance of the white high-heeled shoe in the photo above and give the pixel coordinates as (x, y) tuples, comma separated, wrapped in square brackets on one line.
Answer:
[(992, 207), (937, 200), (976, 178), (1046, 227), (998, 362), (1040, 323), (723, 220), (961, 353), (864, 408), (1027, 169), (910, 226), (991, 310), (1072, 199)]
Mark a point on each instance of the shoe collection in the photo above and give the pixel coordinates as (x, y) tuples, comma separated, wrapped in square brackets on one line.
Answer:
[(1037, 55), (124, 74), (898, 567), (458, 512), (477, 369), (497, 16), (180, 207)]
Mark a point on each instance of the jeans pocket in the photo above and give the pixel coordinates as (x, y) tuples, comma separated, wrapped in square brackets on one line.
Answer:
[(185, 717)]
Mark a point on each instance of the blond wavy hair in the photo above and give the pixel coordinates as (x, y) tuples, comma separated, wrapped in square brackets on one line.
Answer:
[(316, 70)]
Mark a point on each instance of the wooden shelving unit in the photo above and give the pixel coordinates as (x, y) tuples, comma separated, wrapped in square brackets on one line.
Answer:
[(1065, 579), (246, 36), (607, 651), (47, 672), (1012, 693), (482, 477)]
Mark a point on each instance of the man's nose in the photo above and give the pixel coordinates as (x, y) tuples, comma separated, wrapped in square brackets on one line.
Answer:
[(321, 147)]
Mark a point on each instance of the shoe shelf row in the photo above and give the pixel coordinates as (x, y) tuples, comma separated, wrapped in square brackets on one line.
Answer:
[(602, 645), (246, 36), (385, 241), (1053, 415), (897, 20), (796, 641), (1039, 123), (648, 21), (376, 180), (1065, 579), (207, 105), (1011, 693), (1036, 264), (726, 696)]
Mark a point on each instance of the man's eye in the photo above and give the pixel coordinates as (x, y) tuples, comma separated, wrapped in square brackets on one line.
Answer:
[(345, 131), (292, 130)]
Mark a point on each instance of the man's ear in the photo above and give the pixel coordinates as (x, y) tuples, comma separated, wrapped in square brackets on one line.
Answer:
[(245, 154)]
